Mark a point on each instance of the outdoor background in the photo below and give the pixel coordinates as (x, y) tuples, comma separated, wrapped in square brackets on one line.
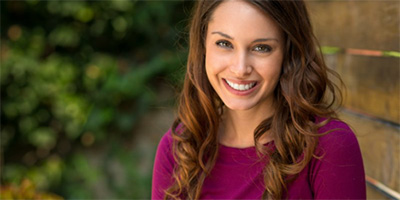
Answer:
[(89, 87)]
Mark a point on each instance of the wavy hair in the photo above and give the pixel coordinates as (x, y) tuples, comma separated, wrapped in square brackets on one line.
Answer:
[(304, 92)]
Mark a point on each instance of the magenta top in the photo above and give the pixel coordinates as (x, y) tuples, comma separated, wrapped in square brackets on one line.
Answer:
[(237, 173)]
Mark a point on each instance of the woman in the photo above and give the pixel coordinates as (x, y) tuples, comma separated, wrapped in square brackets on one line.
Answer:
[(255, 115)]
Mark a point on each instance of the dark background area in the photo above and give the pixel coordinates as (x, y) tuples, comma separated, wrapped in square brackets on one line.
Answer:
[(77, 78)]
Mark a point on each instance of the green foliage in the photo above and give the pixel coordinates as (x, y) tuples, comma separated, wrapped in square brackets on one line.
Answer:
[(76, 77), (26, 190), (330, 50)]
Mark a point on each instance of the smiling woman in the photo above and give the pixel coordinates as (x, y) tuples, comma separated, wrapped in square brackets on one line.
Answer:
[(254, 121), (243, 67)]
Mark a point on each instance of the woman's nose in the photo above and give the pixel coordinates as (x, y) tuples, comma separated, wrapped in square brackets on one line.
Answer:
[(241, 66)]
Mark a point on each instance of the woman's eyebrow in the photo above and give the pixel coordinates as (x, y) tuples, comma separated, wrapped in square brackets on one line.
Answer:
[(256, 40), (222, 34), (265, 39)]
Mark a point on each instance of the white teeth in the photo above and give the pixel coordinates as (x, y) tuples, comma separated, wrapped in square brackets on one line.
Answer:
[(241, 87)]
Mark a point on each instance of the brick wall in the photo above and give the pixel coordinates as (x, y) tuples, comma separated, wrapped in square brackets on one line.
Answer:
[(361, 41)]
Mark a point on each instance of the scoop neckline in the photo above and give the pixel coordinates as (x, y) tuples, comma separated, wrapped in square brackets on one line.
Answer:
[(244, 148)]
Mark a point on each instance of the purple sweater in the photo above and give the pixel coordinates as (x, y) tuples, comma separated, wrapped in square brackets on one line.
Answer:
[(237, 173)]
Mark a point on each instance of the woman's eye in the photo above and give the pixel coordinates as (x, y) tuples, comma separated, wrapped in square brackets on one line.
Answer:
[(263, 48), (224, 44)]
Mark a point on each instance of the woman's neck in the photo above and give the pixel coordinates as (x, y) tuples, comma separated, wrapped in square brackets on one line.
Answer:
[(238, 126)]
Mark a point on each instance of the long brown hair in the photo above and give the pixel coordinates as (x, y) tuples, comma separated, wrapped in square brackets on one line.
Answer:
[(300, 97)]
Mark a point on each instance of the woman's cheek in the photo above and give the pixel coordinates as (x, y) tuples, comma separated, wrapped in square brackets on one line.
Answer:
[(215, 62)]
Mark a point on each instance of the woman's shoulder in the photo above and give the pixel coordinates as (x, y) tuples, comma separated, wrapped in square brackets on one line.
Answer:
[(335, 128), (337, 137), (337, 171), (166, 140), (164, 158), (163, 166), (333, 125)]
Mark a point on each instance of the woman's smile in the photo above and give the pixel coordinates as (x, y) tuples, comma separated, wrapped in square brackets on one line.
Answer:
[(240, 88), (244, 53)]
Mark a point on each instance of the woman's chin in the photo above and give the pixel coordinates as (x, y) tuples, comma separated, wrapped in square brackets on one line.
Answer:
[(238, 106)]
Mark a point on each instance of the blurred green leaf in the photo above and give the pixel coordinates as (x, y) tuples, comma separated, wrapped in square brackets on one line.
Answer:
[(64, 36), (84, 14), (120, 24), (43, 137)]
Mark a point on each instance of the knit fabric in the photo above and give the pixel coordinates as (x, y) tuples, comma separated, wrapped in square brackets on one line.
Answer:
[(238, 172)]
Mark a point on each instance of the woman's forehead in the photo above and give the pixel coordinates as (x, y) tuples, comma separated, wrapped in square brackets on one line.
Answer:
[(240, 18)]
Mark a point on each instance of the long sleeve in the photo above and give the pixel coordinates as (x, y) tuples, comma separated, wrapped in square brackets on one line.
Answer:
[(339, 174), (163, 167)]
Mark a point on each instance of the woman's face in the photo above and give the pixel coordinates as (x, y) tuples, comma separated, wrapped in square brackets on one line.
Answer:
[(244, 52)]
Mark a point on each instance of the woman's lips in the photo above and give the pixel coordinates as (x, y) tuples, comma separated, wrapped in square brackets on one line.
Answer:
[(240, 88)]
